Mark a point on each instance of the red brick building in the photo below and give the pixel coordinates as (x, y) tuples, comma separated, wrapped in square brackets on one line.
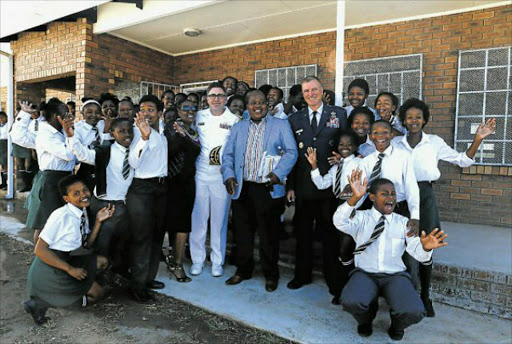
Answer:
[(69, 57)]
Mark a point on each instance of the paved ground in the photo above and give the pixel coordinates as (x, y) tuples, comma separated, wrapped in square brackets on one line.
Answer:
[(306, 315)]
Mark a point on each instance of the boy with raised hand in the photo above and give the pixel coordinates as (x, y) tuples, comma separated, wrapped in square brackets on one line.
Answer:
[(381, 239)]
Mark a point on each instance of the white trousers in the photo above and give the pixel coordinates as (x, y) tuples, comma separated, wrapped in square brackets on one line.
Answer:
[(212, 202)]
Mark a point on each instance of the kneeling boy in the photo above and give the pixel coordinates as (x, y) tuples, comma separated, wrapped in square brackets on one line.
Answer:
[(381, 239)]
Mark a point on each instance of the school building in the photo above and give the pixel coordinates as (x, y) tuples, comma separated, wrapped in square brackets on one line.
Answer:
[(456, 55)]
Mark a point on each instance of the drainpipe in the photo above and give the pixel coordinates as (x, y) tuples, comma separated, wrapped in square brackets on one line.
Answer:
[(10, 121), (340, 51)]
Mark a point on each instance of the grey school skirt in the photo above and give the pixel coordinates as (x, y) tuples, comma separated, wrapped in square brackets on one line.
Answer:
[(49, 198), (55, 286), (21, 152)]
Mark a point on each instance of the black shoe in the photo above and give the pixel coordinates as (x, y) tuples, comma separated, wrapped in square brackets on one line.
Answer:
[(429, 307), (141, 295), (36, 311), (336, 300), (155, 285), (365, 330), (395, 334), (296, 284), (235, 279), (270, 285)]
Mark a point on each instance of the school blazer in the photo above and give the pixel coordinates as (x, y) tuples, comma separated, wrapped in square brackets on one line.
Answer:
[(332, 123), (278, 139)]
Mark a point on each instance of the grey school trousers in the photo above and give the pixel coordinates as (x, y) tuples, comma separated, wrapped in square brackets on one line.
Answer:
[(360, 297)]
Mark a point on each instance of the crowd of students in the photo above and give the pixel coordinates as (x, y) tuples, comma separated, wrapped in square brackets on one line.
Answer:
[(111, 184)]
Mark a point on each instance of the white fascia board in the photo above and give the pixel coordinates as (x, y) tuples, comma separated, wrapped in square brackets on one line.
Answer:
[(116, 16), (18, 16)]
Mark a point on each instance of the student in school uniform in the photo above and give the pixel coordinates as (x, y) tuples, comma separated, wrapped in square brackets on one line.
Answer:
[(168, 99), (386, 104), (114, 174), (236, 104), (426, 150), (109, 107), (360, 122), (184, 147), (126, 109), (212, 200), (275, 103), (147, 201), (4, 132), (56, 160), (229, 84), (90, 133), (381, 239), (358, 91), (337, 179), (256, 186), (57, 277)]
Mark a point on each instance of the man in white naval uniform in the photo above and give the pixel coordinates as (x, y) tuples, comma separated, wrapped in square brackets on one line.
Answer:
[(212, 200)]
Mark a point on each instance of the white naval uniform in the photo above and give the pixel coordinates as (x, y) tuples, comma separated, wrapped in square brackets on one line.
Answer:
[(211, 199)]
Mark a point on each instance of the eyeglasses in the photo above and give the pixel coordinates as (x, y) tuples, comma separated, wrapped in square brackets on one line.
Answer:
[(213, 96), (188, 108)]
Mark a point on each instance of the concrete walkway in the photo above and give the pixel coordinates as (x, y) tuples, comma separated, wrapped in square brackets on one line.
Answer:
[(306, 315)]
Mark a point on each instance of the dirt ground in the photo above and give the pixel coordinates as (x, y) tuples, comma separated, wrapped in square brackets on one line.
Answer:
[(117, 319)]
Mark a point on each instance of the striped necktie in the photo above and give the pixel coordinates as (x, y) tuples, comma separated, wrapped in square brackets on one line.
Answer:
[(96, 134), (376, 170), (337, 183), (126, 164), (36, 125), (377, 231), (83, 231)]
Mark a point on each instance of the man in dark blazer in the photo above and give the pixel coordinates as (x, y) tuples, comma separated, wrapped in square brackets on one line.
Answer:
[(318, 126)]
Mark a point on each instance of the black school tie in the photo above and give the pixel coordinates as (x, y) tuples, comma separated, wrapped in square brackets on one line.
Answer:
[(337, 184), (376, 170), (314, 124), (96, 134), (377, 231), (36, 125), (126, 164), (83, 231)]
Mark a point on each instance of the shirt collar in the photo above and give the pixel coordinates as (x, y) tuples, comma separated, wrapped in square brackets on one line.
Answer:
[(348, 158), (261, 122), (319, 110), (375, 214), (424, 139), (74, 210), (387, 152), (121, 148)]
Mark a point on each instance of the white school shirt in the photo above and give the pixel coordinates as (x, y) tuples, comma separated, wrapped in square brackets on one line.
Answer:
[(32, 124), (366, 148), (20, 133), (52, 152), (62, 229), (349, 109), (397, 167), (117, 186), (384, 255), (280, 112), (4, 132), (213, 132), (427, 153), (86, 135), (153, 163)]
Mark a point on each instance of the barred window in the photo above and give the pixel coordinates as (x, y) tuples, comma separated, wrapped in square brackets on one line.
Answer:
[(284, 78), (155, 88), (483, 92), (400, 75)]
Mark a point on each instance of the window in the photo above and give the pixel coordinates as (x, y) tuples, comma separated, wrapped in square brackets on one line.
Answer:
[(147, 87), (483, 92), (284, 78), (400, 75)]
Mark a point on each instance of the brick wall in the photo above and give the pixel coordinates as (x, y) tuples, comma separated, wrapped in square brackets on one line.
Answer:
[(481, 194), (3, 98)]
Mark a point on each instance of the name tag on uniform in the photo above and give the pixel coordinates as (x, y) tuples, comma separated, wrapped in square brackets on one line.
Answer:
[(224, 126), (298, 132), (200, 123)]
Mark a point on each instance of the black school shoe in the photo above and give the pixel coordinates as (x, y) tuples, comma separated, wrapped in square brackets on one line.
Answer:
[(141, 295), (36, 311), (429, 308), (365, 330), (395, 334)]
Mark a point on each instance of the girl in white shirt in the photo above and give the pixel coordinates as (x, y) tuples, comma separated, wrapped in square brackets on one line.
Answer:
[(426, 150)]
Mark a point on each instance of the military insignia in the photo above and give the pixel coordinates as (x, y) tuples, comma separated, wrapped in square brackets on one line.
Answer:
[(301, 145), (298, 132), (200, 123), (333, 122), (224, 126), (215, 156), (333, 113)]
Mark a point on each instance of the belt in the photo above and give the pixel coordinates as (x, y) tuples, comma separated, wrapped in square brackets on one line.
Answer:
[(110, 201), (159, 180), (57, 173)]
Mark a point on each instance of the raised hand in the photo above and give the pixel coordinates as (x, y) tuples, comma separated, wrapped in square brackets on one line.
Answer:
[(26, 106), (77, 273), (311, 156), (485, 129), (143, 125), (357, 186), (68, 124), (179, 129), (433, 240), (326, 98), (334, 159), (105, 213)]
